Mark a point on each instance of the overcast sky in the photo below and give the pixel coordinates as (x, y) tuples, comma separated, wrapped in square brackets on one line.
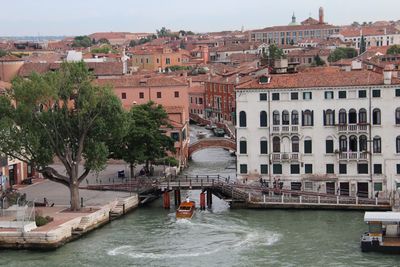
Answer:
[(76, 17)]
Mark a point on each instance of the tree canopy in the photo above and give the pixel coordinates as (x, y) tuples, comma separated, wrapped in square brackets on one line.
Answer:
[(82, 41), (61, 114), (318, 61), (104, 49), (393, 50), (103, 41), (341, 53), (3, 53), (149, 38), (145, 141), (273, 53)]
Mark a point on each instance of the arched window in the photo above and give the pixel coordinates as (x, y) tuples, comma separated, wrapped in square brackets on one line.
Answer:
[(376, 116), (285, 117), (352, 116), (263, 146), (295, 117), (397, 115), (362, 116), (308, 119), (295, 144), (263, 119), (342, 116), (242, 119), (276, 144), (377, 144), (343, 143), (398, 144), (329, 117), (353, 143), (363, 143), (243, 146), (276, 118)]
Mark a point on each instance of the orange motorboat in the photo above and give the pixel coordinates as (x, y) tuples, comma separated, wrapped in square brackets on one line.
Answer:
[(186, 210)]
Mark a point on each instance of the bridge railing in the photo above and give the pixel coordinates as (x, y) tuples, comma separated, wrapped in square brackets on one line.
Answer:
[(269, 196)]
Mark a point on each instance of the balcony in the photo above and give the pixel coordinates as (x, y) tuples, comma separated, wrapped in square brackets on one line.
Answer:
[(285, 129), (353, 156), (353, 128), (285, 157)]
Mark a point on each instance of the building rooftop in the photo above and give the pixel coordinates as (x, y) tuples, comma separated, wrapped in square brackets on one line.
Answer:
[(296, 28), (319, 77), (142, 81)]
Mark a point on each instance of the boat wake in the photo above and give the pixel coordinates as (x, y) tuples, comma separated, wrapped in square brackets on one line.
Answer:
[(229, 237)]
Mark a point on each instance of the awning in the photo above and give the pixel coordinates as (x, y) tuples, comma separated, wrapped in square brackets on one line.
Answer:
[(388, 216)]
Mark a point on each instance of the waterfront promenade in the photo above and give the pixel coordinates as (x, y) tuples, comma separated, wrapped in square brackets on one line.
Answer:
[(99, 207)]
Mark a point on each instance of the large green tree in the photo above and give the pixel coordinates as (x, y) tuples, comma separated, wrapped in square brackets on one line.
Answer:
[(363, 45), (273, 53), (145, 141), (60, 115), (393, 50), (3, 53), (342, 52), (82, 41)]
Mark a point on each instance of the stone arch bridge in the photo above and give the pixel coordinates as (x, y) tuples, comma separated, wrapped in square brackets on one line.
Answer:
[(212, 143)]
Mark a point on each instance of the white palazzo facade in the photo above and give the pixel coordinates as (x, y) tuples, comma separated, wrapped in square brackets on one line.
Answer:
[(328, 130)]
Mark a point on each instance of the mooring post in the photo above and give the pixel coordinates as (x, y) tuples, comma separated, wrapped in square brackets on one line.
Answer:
[(264, 198), (357, 200), (202, 200), (249, 197), (81, 202), (337, 200), (209, 198), (166, 200), (282, 197), (123, 208), (376, 201), (319, 199), (301, 199)]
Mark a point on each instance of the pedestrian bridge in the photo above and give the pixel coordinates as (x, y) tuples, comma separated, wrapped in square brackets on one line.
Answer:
[(241, 195), (225, 143)]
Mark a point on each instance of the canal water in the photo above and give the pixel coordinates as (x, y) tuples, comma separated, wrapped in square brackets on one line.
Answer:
[(220, 237)]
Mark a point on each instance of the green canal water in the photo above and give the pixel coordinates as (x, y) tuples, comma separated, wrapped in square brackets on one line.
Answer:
[(151, 236)]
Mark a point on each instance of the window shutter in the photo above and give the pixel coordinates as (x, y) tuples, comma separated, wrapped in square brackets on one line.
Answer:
[(334, 122), (302, 118), (324, 115), (312, 118)]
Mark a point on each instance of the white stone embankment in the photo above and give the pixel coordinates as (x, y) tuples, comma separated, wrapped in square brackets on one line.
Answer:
[(71, 229)]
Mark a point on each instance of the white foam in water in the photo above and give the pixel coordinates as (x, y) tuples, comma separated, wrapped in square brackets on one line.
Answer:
[(250, 239)]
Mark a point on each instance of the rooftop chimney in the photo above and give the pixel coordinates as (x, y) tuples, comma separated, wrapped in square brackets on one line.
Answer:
[(387, 75)]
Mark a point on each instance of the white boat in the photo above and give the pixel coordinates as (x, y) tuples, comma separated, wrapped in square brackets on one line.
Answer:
[(383, 234), (201, 135)]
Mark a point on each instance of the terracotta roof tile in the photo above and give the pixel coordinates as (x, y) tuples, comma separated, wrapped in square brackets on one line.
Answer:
[(141, 81), (98, 68), (296, 28), (10, 58), (320, 77)]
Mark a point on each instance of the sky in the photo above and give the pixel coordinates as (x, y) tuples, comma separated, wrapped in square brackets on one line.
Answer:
[(78, 17)]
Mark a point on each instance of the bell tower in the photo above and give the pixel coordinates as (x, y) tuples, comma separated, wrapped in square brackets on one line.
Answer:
[(321, 15)]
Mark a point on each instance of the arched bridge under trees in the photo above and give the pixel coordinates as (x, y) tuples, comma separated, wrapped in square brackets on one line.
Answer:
[(212, 143)]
